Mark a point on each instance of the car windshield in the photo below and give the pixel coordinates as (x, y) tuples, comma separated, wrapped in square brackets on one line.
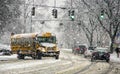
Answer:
[(91, 48), (82, 46), (101, 49), (51, 39)]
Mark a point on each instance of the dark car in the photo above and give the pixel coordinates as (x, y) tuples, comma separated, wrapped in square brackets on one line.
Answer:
[(5, 52), (100, 54)]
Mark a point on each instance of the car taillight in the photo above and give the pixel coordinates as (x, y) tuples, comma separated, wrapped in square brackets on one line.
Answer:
[(77, 49)]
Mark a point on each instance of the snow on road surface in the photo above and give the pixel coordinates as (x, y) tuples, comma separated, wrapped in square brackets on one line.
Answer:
[(23, 63), (67, 64), (3, 46), (7, 57), (31, 66), (114, 58), (66, 49)]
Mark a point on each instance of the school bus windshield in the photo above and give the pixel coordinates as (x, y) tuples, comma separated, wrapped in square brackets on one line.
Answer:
[(51, 39)]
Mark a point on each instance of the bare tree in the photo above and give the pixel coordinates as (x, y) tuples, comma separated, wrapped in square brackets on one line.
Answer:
[(27, 6), (88, 25), (9, 12), (111, 20), (89, 30)]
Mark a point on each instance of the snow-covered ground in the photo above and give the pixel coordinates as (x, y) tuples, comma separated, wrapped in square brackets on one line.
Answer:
[(67, 64), (113, 58), (22, 63), (3, 46), (66, 49), (8, 57)]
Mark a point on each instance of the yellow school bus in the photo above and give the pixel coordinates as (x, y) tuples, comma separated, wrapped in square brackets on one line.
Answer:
[(34, 45)]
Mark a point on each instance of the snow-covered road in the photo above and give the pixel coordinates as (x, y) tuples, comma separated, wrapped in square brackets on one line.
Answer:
[(67, 64)]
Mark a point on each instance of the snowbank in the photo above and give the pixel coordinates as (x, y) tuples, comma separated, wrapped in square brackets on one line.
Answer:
[(3, 46), (66, 49), (5, 57), (24, 64), (113, 58)]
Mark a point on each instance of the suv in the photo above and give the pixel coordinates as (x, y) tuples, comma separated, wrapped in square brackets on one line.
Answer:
[(100, 54), (88, 52)]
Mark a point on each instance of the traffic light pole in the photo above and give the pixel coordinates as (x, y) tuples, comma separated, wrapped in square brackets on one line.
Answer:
[(31, 24), (71, 4), (54, 3), (31, 29), (24, 16)]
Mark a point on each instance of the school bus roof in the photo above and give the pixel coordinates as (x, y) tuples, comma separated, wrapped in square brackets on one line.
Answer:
[(31, 35), (26, 35)]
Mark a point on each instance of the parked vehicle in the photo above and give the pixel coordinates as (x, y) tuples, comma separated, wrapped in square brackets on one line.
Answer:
[(79, 49), (82, 48), (88, 52), (76, 50), (100, 54), (5, 52)]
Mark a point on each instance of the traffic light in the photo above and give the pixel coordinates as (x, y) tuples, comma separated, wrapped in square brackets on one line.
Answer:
[(102, 14), (69, 12), (54, 13), (33, 11), (72, 15)]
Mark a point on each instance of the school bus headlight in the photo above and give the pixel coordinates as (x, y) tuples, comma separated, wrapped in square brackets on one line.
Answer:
[(43, 49), (54, 47)]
